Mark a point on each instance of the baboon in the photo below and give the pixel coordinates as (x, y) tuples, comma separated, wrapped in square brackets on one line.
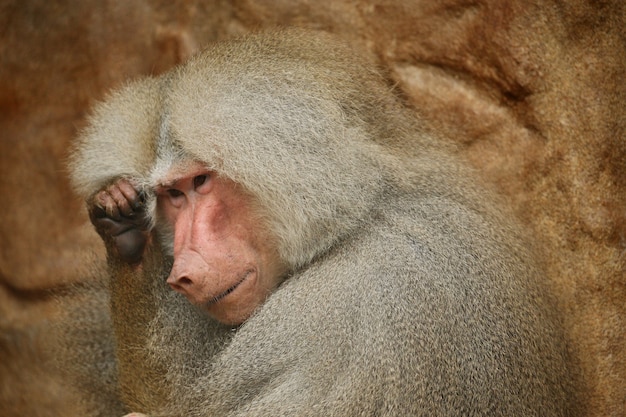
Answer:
[(328, 256)]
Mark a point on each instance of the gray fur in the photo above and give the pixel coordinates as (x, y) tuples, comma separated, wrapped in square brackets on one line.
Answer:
[(409, 290)]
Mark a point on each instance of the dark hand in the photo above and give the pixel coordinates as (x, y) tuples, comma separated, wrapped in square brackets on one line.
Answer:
[(118, 214)]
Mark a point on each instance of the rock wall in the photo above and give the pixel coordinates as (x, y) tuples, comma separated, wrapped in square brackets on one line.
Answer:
[(533, 92)]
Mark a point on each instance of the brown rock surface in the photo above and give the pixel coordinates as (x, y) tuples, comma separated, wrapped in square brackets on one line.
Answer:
[(533, 92)]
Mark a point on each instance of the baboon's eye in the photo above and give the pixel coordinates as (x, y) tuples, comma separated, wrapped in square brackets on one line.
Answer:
[(173, 192), (199, 180)]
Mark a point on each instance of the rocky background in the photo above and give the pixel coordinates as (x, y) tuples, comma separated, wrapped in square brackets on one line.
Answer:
[(533, 91)]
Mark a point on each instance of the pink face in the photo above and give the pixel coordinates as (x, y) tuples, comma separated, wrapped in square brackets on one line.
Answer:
[(223, 260)]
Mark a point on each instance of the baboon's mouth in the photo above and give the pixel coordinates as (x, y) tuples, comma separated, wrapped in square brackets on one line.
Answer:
[(218, 297)]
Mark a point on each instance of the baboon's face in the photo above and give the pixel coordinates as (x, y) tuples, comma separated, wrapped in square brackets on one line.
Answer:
[(223, 259)]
